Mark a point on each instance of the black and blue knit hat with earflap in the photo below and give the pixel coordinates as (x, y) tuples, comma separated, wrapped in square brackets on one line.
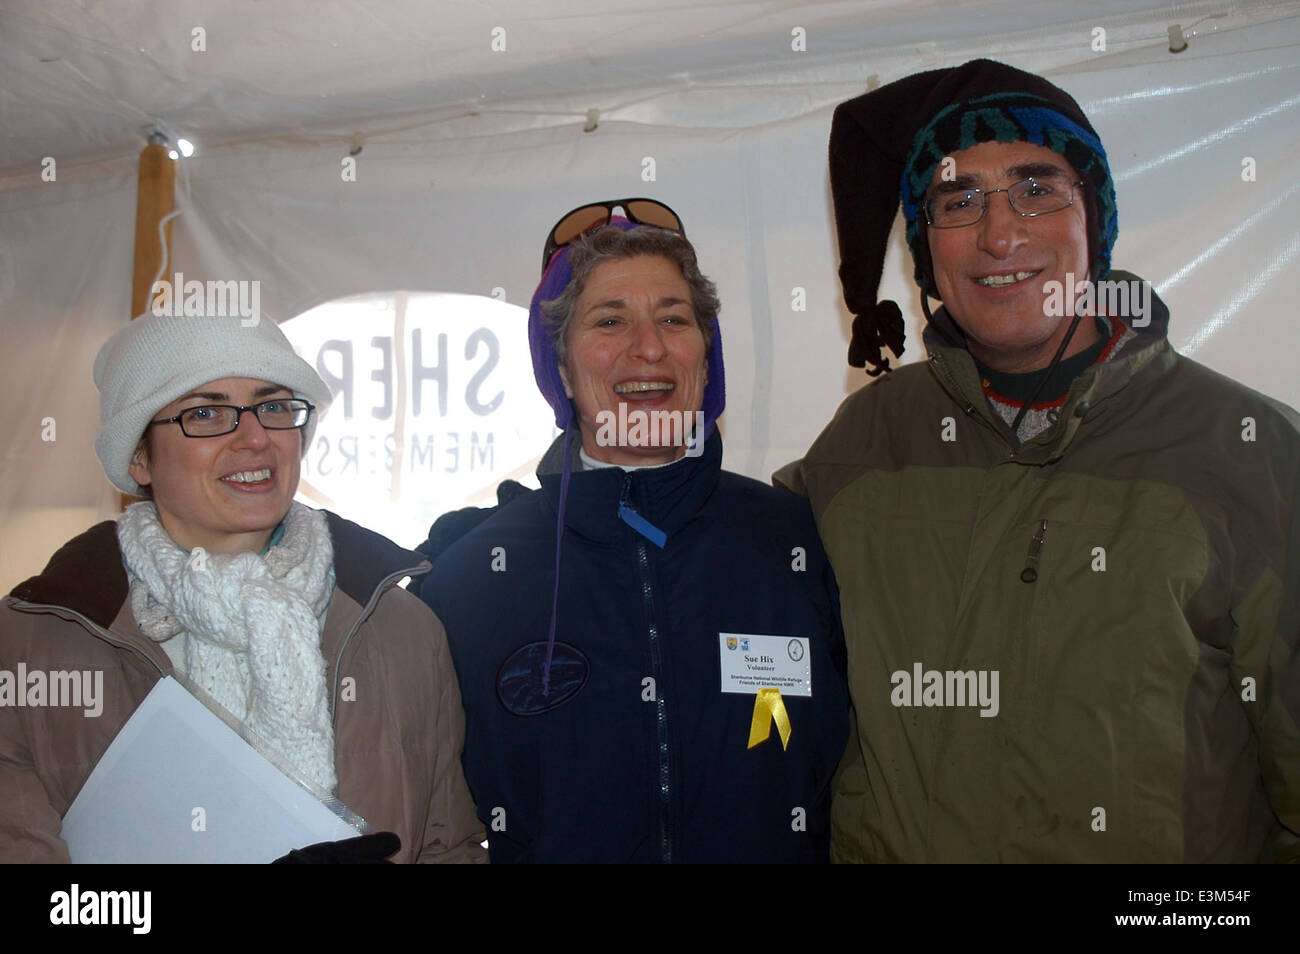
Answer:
[(901, 133)]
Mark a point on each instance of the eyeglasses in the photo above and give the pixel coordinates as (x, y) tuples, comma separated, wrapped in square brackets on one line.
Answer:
[(213, 420), (585, 218), (1029, 197)]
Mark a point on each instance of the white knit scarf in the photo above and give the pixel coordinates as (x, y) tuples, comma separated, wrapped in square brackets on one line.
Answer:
[(252, 627)]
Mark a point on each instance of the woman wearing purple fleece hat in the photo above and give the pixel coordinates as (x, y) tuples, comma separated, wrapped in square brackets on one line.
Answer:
[(628, 637)]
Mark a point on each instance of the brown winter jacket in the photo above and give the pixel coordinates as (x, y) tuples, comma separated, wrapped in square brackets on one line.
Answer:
[(398, 729)]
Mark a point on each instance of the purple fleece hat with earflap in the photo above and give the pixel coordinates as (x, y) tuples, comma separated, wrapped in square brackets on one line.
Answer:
[(546, 364)]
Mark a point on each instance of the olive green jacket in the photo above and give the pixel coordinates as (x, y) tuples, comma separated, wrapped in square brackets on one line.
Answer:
[(1131, 575)]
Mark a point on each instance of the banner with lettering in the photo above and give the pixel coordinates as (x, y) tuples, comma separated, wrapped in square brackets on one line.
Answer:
[(434, 405)]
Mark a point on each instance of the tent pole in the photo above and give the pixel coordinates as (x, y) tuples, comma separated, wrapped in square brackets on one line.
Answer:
[(155, 198)]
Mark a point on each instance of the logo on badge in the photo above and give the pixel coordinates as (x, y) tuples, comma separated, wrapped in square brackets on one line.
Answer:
[(795, 649), (744, 644), (732, 643)]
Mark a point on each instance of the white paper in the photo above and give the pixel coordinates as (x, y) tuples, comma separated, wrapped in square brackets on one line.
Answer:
[(179, 785)]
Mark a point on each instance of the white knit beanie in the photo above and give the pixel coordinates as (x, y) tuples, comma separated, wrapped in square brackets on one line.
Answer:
[(155, 360)]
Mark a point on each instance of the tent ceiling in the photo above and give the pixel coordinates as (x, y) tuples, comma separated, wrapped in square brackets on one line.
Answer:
[(79, 80)]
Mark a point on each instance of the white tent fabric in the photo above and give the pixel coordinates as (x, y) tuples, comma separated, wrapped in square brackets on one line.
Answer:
[(468, 155)]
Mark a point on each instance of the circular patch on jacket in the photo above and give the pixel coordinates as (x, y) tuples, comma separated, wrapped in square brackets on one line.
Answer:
[(519, 680)]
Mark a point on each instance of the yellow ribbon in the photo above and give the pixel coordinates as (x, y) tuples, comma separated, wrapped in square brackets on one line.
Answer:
[(769, 707)]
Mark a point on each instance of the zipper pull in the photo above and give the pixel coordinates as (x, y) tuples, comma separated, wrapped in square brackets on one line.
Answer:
[(1030, 573), (637, 522)]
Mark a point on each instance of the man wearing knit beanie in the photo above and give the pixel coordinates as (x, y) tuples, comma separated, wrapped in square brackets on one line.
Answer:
[(1069, 557)]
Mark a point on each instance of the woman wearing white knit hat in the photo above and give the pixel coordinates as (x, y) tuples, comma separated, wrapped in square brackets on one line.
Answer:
[(267, 606)]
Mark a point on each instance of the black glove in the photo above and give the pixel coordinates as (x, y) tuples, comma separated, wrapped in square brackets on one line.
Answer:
[(364, 850)]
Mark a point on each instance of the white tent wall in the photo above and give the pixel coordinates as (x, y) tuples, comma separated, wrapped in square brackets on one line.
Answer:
[(65, 283), (447, 200)]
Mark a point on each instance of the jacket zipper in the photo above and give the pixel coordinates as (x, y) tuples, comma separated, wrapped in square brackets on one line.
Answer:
[(1030, 573), (382, 587), (93, 627), (661, 710)]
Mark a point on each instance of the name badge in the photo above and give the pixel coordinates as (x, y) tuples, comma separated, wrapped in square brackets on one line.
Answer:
[(750, 663)]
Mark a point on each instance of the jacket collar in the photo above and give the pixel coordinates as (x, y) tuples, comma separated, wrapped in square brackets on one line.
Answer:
[(1089, 395), (86, 575), (668, 497), (363, 559)]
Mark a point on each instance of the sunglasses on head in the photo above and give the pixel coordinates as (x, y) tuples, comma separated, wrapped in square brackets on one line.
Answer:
[(594, 215)]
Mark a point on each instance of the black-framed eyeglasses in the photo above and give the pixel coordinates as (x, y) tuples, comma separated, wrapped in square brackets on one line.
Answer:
[(1037, 195), (596, 214), (213, 420)]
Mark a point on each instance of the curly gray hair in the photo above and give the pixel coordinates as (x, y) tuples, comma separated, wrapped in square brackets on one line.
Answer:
[(613, 244)]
